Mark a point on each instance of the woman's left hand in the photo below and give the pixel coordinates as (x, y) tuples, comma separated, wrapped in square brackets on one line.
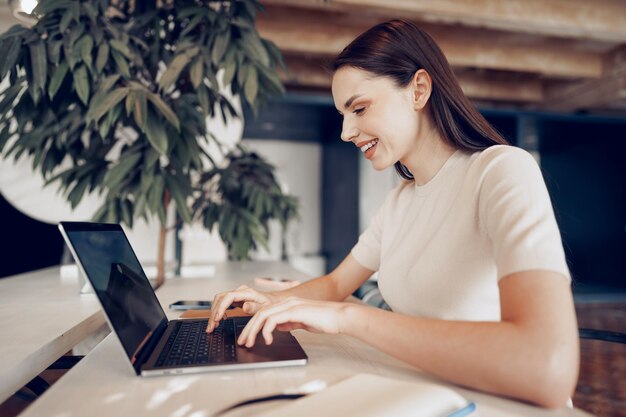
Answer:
[(293, 313)]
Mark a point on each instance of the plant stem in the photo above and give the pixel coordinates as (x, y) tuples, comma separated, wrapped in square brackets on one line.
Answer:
[(160, 279)]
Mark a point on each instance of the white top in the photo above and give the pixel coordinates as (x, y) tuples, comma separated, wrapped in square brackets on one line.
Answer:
[(441, 248)]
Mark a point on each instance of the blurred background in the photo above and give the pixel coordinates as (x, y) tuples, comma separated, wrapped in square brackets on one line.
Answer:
[(550, 75)]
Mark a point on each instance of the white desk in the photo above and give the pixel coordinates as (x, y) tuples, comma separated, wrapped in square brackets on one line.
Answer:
[(41, 318), (103, 384)]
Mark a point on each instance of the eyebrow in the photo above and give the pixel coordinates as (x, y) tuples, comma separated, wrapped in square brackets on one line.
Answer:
[(350, 100)]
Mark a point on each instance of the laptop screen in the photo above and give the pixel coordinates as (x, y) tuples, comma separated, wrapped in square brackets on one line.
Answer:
[(118, 281)]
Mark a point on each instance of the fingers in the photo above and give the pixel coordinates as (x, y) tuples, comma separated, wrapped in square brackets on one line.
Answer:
[(266, 320), (222, 301)]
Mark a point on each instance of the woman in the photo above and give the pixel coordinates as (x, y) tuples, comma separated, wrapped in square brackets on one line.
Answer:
[(467, 248)]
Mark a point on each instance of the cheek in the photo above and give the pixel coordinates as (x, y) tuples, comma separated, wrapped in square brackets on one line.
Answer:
[(400, 128)]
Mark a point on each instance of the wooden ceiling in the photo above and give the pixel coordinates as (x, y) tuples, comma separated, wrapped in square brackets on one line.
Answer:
[(554, 55)]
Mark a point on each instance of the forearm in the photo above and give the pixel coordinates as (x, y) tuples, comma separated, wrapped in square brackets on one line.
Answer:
[(498, 357), (321, 288), (335, 286)]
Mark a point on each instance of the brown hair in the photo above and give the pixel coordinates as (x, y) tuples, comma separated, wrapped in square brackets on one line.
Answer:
[(397, 49)]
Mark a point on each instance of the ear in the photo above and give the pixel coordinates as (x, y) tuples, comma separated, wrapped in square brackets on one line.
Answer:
[(422, 87)]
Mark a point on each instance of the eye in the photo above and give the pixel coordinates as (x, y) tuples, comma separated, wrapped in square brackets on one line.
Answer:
[(359, 110)]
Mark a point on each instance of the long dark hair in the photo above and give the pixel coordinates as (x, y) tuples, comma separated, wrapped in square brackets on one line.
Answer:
[(397, 49)]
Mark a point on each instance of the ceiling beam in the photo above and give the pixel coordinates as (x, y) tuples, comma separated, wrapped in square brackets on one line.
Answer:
[(602, 92), (600, 20), (512, 88), (295, 31)]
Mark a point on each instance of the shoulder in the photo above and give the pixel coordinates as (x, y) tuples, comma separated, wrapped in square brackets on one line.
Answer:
[(500, 154), (502, 161), (399, 193)]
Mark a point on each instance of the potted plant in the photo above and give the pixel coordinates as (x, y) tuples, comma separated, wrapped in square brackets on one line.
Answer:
[(123, 90)]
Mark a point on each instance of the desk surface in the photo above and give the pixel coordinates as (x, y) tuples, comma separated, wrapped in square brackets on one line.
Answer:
[(41, 318), (103, 383)]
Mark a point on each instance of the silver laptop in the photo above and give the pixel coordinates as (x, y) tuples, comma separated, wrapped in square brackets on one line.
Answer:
[(154, 345)]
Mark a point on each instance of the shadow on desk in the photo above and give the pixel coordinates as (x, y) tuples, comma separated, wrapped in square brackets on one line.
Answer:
[(19, 401)]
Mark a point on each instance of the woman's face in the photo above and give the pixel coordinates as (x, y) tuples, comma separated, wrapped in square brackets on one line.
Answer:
[(378, 117)]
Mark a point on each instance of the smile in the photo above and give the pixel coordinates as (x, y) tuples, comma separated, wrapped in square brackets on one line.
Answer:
[(365, 147)]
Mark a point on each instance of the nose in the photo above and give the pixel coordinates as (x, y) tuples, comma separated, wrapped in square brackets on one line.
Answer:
[(348, 131)]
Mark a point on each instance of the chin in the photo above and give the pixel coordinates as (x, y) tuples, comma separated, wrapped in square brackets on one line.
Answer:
[(379, 166)]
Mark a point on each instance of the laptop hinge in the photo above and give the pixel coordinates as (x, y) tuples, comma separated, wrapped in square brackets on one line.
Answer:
[(144, 353)]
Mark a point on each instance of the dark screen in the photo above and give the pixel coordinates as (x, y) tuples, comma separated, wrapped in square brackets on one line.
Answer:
[(119, 282)]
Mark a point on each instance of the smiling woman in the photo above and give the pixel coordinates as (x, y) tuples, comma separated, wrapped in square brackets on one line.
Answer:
[(467, 249)]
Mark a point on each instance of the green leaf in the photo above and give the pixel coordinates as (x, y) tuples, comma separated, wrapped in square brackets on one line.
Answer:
[(203, 99), (275, 53), (99, 107), (141, 110), (271, 80), (103, 56), (75, 33), (219, 47), (77, 192), (155, 195), (54, 51), (140, 206), (251, 43), (173, 71), (90, 11), (81, 83), (121, 63), (196, 72), (192, 24), (57, 79), (75, 8), (65, 20), (39, 64), (35, 93), (164, 109), (251, 86), (156, 133), (242, 73), (178, 193), (122, 48), (116, 174), (130, 102), (45, 7), (104, 127), (15, 47), (86, 45), (127, 212), (229, 70), (69, 54), (8, 97), (4, 136), (108, 82)]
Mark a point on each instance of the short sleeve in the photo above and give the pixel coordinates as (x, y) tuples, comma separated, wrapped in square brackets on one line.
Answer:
[(367, 250), (516, 213)]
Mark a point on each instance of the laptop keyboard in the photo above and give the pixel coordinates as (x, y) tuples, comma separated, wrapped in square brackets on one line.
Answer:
[(190, 344)]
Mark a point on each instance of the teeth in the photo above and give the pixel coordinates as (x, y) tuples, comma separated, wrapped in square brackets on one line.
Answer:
[(368, 145)]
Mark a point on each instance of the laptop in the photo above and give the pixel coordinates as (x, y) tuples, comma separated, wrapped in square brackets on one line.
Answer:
[(154, 345)]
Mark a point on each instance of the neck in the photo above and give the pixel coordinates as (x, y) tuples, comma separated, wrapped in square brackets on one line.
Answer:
[(430, 154)]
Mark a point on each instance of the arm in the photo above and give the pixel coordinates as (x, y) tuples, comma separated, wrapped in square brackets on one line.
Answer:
[(335, 286), (531, 354)]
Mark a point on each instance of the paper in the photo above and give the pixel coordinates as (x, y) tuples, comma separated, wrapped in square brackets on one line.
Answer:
[(366, 395)]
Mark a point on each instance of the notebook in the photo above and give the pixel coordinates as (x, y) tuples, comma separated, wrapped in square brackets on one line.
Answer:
[(366, 395), (154, 345)]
